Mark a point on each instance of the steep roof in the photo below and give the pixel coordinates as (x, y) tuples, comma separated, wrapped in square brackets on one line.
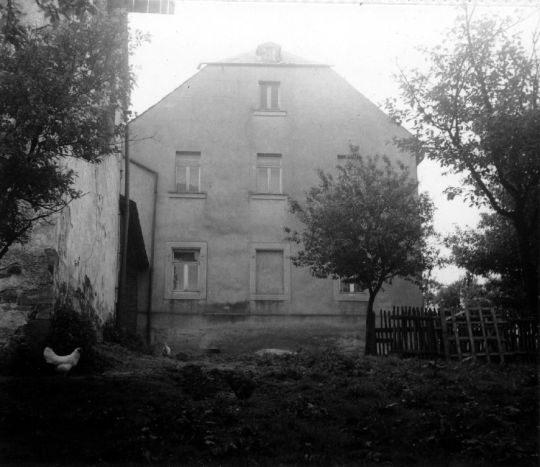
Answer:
[(267, 54)]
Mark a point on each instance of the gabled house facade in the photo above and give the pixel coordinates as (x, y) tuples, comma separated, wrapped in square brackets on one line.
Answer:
[(214, 165)]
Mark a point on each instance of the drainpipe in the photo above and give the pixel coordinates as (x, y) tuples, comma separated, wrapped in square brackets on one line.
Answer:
[(155, 175), (123, 275)]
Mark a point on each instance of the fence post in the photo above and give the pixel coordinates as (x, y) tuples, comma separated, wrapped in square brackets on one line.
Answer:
[(444, 334), (470, 331), (497, 335)]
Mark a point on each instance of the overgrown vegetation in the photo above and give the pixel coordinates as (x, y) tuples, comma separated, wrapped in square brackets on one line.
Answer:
[(64, 88), (67, 330), (310, 408), (475, 109), (115, 335)]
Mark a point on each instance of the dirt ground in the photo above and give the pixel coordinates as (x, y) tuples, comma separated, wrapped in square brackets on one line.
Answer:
[(322, 408)]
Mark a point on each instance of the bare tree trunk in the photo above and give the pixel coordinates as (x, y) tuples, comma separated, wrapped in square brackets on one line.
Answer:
[(529, 251), (371, 343)]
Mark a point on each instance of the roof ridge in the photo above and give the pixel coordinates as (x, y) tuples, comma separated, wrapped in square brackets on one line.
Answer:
[(267, 53)]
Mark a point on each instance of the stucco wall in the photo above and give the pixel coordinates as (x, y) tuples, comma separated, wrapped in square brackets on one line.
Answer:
[(78, 248), (214, 113), (87, 234)]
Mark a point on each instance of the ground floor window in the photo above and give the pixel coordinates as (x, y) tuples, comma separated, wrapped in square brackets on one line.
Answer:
[(349, 290), (186, 270), (270, 271), (186, 267)]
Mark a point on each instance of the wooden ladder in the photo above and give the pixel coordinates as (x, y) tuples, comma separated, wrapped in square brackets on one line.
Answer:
[(473, 333)]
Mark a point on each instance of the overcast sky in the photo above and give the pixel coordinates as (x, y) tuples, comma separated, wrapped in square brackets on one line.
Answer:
[(366, 44)]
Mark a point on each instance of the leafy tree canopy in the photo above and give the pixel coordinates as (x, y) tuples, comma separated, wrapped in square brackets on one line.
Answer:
[(62, 88), (491, 251), (368, 224), (476, 111)]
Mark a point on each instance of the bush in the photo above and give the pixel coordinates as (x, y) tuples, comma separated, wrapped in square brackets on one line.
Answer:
[(70, 330), (67, 330), (115, 335), (22, 356)]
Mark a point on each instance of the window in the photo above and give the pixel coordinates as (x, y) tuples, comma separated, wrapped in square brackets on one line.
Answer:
[(188, 172), (347, 290), (165, 7), (186, 270), (269, 173), (346, 286), (269, 95), (270, 272)]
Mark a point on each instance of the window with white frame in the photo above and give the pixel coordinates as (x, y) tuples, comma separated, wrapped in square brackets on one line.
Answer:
[(269, 173), (188, 172), (270, 272), (349, 290), (185, 267), (269, 96), (346, 286), (165, 7), (186, 270)]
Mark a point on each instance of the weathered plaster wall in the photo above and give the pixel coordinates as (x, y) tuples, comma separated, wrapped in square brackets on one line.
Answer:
[(214, 114), (78, 248), (87, 234)]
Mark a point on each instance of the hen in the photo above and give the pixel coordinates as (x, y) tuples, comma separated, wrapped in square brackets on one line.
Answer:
[(62, 363), (166, 350)]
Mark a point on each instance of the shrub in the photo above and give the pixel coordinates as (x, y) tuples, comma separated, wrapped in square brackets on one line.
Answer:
[(21, 355), (115, 335), (70, 329)]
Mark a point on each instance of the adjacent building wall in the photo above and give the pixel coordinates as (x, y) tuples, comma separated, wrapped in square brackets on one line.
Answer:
[(75, 252)]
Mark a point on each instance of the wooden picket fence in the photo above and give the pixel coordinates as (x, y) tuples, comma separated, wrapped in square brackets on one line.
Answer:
[(474, 333)]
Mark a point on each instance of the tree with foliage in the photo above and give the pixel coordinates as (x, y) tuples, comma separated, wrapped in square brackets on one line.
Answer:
[(463, 292), (492, 252), (64, 90), (476, 111), (367, 225)]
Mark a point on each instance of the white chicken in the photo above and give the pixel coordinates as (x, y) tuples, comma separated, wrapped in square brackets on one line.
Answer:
[(166, 350), (63, 363)]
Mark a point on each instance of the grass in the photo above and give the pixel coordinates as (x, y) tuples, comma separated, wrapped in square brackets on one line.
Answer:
[(319, 408)]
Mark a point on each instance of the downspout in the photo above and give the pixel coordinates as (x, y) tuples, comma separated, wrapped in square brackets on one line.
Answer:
[(151, 261), (123, 275)]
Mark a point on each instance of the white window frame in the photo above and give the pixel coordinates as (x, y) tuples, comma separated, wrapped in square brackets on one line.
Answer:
[(192, 159), (185, 295), (268, 166), (265, 103), (285, 248), (340, 296), (166, 7)]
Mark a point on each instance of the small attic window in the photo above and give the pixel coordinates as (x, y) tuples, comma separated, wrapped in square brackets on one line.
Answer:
[(269, 53)]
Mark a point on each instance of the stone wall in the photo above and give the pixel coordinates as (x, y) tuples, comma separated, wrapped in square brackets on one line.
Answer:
[(26, 286)]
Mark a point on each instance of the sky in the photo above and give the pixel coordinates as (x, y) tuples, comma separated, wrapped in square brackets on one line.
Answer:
[(366, 44)]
